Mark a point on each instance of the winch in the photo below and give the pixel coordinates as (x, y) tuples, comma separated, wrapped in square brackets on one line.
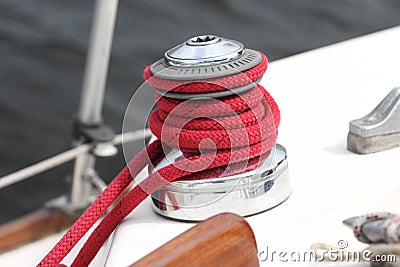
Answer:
[(215, 149), (208, 58)]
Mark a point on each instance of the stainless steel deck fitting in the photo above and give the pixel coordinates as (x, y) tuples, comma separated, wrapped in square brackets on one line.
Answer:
[(207, 57), (379, 130), (245, 194)]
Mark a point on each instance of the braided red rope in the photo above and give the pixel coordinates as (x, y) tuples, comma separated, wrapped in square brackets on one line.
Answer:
[(243, 130)]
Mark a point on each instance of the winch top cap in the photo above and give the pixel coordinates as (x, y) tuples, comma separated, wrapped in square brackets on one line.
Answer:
[(204, 50), (205, 57)]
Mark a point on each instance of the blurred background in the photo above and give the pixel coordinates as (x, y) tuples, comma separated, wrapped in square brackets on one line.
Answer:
[(43, 48)]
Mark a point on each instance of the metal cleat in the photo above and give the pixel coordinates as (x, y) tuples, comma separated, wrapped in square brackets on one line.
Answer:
[(379, 130)]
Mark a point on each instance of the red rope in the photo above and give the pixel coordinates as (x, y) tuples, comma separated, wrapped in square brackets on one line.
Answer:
[(242, 128)]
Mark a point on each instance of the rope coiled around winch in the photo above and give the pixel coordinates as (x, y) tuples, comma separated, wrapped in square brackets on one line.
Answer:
[(234, 134)]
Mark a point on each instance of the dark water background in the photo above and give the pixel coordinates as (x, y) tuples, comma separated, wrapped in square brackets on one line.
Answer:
[(42, 55)]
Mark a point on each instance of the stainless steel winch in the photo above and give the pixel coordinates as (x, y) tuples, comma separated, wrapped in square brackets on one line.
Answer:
[(206, 57)]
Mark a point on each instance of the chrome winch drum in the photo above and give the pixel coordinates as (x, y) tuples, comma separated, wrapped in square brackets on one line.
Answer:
[(207, 57)]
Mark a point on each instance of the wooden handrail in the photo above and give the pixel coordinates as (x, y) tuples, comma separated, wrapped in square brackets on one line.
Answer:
[(223, 240)]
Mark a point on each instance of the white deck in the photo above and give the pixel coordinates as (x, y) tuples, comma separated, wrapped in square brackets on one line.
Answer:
[(318, 93)]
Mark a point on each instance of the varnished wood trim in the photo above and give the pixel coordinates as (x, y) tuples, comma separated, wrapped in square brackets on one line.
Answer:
[(223, 240), (33, 226)]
